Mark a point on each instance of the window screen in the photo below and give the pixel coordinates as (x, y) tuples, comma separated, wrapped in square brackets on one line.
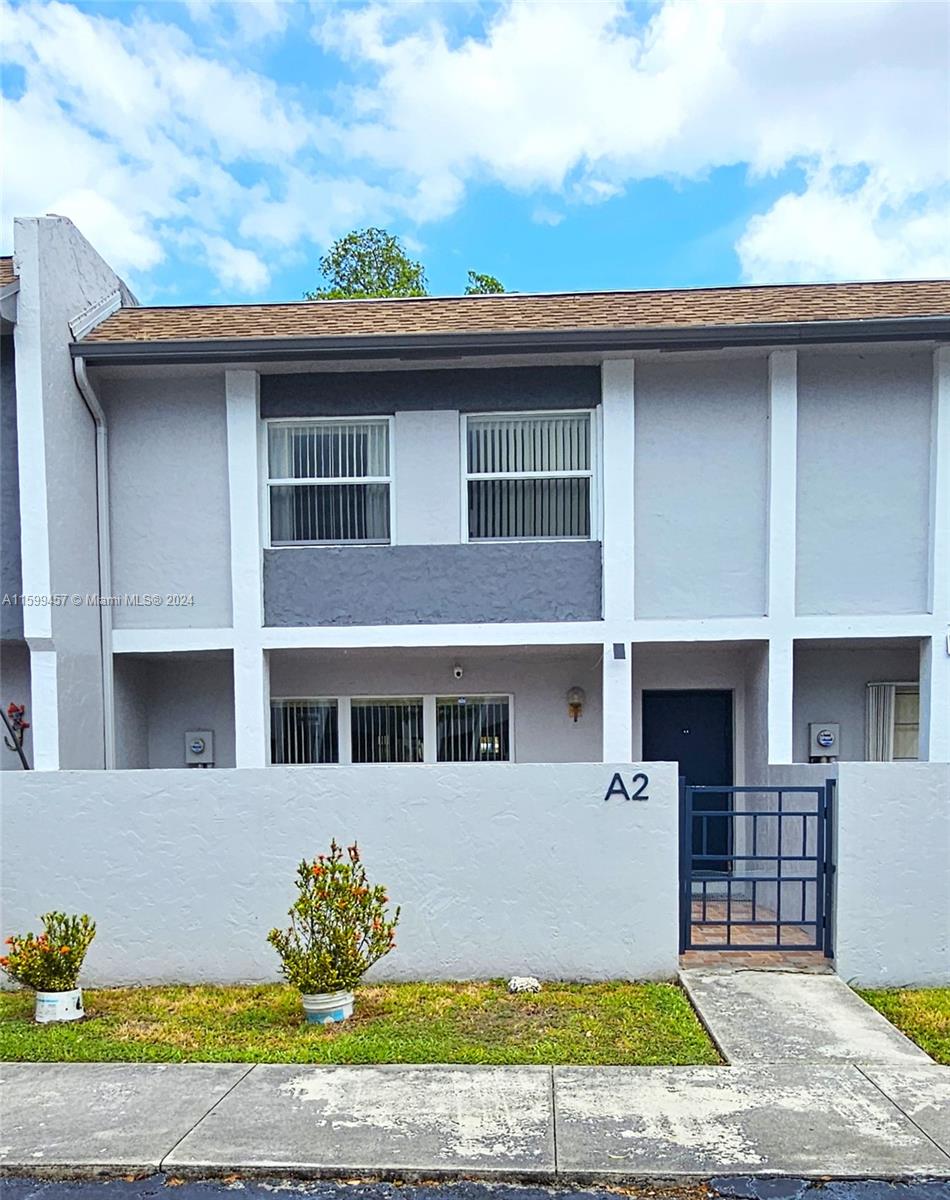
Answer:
[(472, 729), (386, 730), (304, 731)]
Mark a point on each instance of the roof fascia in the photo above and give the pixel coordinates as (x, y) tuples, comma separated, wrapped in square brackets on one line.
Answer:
[(441, 345)]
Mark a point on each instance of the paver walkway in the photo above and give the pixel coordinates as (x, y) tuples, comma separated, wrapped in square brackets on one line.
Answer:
[(771, 1017), (585, 1124)]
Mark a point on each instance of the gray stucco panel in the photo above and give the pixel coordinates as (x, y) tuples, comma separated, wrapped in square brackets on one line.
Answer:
[(401, 585)]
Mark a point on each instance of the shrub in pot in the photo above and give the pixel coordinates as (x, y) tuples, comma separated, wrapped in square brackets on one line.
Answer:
[(339, 927), (50, 963)]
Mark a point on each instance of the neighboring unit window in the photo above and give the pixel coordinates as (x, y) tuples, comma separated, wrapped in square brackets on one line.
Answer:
[(472, 729), (328, 482), (893, 721), (386, 730), (529, 476), (304, 731)]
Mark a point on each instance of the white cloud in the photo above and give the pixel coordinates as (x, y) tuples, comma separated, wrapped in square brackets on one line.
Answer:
[(235, 266), (157, 138), (576, 99), (847, 234)]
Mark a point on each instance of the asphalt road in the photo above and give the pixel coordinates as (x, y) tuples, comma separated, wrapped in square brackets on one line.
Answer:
[(159, 1187)]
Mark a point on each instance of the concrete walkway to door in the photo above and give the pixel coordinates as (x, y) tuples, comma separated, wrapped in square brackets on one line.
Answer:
[(778, 1017)]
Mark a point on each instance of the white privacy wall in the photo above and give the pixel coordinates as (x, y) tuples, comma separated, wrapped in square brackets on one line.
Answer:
[(892, 919), (500, 869)]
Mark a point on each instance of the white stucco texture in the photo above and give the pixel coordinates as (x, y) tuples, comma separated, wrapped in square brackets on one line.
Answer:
[(168, 482), (61, 275), (499, 869), (892, 917), (864, 431), (701, 477)]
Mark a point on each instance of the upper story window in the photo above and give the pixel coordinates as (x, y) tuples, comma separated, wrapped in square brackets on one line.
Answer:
[(529, 476), (328, 481)]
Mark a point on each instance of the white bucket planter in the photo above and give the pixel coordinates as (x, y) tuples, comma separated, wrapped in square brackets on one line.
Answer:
[(59, 1006), (324, 1008)]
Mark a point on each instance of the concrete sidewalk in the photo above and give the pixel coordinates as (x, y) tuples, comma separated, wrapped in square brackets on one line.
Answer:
[(775, 1017), (531, 1124)]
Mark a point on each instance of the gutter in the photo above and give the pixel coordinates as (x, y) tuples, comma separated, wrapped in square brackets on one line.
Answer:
[(88, 393), (448, 345)]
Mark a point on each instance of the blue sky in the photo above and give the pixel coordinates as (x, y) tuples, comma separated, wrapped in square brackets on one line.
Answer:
[(211, 151)]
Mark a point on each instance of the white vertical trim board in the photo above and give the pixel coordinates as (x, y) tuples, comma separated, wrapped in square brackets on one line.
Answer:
[(617, 704), (44, 705), (934, 745), (781, 694), (783, 472), (617, 487), (251, 685)]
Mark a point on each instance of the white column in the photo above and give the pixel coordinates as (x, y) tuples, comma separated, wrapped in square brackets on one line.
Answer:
[(617, 685), (783, 482), (43, 709), (781, 682), (251, 683), (934, 700), (783, 471), (617, 395)]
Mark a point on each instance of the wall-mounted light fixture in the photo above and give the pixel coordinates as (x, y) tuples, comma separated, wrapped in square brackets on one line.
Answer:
[(576, 698)]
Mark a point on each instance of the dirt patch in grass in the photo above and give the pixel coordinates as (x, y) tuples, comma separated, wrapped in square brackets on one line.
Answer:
[(626, 1023), (922, 1013)]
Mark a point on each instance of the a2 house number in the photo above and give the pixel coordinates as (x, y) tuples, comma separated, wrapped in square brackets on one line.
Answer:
[(637, 791)]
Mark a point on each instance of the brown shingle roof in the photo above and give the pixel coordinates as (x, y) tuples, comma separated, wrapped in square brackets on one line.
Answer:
[(513, 313), (6, 271)]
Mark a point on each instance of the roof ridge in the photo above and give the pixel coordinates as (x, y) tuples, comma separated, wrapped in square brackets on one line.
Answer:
[(496, 297)]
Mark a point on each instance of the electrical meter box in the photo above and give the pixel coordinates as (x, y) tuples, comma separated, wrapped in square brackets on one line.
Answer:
[(199, 748), (824, 739)]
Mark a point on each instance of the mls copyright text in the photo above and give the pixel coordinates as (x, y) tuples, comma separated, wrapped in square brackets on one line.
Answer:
[(94, 600)]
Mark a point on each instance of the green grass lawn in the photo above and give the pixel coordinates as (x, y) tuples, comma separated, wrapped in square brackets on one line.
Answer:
[(922, 1013), (648, 1023)]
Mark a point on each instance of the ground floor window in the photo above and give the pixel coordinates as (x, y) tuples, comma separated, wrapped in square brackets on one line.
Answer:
[(386, 730), (304, 731), (472, 729), (391, 729), (893, 722)]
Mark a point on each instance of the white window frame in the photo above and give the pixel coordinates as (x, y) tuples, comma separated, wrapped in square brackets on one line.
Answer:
[(429, 726), (593, 474), (266, 483)]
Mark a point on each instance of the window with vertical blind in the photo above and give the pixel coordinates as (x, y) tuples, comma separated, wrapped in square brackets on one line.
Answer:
[(328, 481), (529, 476), (893, 722), (472, 729), (388, 730), (304, 731)]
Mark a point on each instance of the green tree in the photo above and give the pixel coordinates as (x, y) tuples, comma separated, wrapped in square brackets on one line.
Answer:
[(368, 263), (482, 285)]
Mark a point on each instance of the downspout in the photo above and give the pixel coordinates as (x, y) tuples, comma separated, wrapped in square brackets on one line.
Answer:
[(88, 393)]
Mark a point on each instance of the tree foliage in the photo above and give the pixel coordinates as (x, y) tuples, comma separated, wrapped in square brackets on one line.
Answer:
[(370, 264), (483, 285), (366, 264)]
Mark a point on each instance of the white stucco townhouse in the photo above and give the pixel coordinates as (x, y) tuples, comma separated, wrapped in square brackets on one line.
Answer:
[(529, 528)]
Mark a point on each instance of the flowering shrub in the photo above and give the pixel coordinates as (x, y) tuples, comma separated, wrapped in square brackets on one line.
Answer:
[(338, 924), (52, 961)]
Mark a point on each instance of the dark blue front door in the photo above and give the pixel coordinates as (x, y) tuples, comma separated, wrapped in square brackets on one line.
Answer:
[(694, 728)]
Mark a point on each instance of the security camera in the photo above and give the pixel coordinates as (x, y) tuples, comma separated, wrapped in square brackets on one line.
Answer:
[(457, 671)]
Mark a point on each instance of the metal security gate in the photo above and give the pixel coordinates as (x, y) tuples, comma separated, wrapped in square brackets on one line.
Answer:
[(771, 889)]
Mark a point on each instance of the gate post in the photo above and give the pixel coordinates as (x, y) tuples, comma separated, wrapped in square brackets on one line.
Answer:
[(829, 869), (685, 857)]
